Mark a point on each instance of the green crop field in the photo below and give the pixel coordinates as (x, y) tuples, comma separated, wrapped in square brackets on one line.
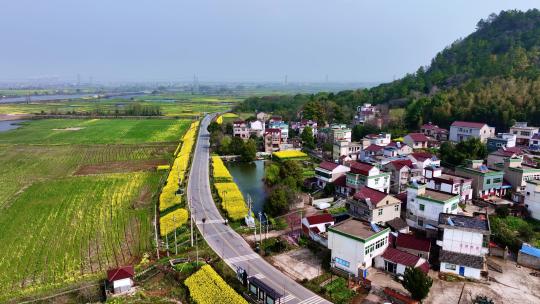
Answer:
[(96, 131), (75, 202)]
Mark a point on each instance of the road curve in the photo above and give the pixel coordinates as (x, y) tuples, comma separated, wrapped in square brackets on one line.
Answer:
[(228, 244)]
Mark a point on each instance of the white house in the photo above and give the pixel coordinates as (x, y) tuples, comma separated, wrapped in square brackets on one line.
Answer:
[(436, 180), (534, 143), (241, 129), (424, 160), (257, 128), (315, 227), (416, 140), (346, 148), (523, 132), (381, 139), (424, 206), (121, 278), (396, 261), (464, 243), (532, 198), (364, 174), (365, 113), (374, 206), (355, 244), (278, 124), (327, 172), (463, 130)]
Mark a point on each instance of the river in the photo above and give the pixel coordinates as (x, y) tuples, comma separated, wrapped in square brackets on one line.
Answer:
[(42, 98), (6, 125), (249, 178)]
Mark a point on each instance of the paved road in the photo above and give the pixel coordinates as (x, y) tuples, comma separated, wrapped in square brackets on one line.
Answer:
[(228, 244)]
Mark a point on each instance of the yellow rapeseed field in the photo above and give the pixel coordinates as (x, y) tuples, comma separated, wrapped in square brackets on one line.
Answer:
[(289, 154), (207, 287)]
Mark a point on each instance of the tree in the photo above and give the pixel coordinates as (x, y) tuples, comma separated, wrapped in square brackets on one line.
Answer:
[(213, 127), (229, 129), (360, 131), (278, 201), (250, 151), (417, 283), (455, 155), (271, 174), (291, 170), (307, 138)]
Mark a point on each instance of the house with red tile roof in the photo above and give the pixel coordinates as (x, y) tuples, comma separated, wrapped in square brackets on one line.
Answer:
[(327, 172), (121, 278), (424, 160), (414, 245), (396, 261), (365, 174), (315, 227), (463, 130), (416, 140), (373, 206), (402, 171), (434, 131)]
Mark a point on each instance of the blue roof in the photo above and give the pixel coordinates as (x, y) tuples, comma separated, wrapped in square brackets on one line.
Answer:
[(529, 250)]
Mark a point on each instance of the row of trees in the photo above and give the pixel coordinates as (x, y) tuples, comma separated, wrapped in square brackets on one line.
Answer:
[(284, 180), (224, 143)]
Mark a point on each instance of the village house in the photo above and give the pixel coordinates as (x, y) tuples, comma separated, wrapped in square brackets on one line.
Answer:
[(463, 130), (534, 143), (373, 206), (382, 139), (496, 159), (416, 246), (257, 128), (340, 132), (416, 140), (262, 116), (485, 182), (396, 148), (365, 113), (507, 140), (315, 227), (272, 140), (424, 160), (364, 174), (532, 198), (398, 224), (328, 172), (354, 244), (121, 279), (301, 125), (424, 206), (523, 132), (436, 180), (517, 174), (402, 171), (346, 148), (283, 126), (396, 261), (370, 152), (464, 242), (434, 131), (240, 129), (529, 256)]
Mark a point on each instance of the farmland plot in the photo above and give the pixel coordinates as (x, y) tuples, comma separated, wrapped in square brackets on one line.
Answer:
[(64, 230)]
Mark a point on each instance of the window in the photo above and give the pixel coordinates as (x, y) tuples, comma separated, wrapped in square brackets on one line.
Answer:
[(497, 180), (450, 266), (421, 207), (454, 206), (420, 223), (342, 262), (380, 211), (396, 208), (488, 181)]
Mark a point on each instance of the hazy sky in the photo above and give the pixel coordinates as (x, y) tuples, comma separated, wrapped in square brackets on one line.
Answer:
[(232, 40)]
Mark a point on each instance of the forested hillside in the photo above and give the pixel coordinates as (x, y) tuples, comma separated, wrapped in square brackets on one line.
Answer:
[(492, 75)]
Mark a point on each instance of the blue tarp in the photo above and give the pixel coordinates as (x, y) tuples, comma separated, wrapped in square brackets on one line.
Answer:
[(529, 250)]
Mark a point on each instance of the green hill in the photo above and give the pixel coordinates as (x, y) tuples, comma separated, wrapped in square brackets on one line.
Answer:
[(492, 75)]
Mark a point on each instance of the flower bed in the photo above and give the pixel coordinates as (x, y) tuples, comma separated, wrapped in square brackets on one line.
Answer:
[(220, 172), (172, 220), (289, 154), (232, 200), (206, 286)]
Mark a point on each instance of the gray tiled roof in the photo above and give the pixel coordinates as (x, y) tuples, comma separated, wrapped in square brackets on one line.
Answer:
[(468, 260), (463, 221)]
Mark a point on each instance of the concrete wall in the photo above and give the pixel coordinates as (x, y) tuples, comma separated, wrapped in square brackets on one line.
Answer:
[(389, 212), (461, 241), (469, 272), (528, 260)]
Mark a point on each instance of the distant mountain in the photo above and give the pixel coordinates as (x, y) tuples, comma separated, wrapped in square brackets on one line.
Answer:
[(492, 75)]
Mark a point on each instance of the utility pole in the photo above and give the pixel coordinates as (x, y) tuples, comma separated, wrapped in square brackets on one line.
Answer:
[(175, 241), (266, 235), (167, 240), (191, 220), (155, 231), (260, 227)]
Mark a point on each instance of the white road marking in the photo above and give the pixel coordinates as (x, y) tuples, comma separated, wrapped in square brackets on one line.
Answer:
[(242, 258), (312, 300), (286, 298)]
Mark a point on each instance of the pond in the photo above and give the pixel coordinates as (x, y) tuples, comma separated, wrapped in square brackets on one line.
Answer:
[(6, 125), (249, 178)]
